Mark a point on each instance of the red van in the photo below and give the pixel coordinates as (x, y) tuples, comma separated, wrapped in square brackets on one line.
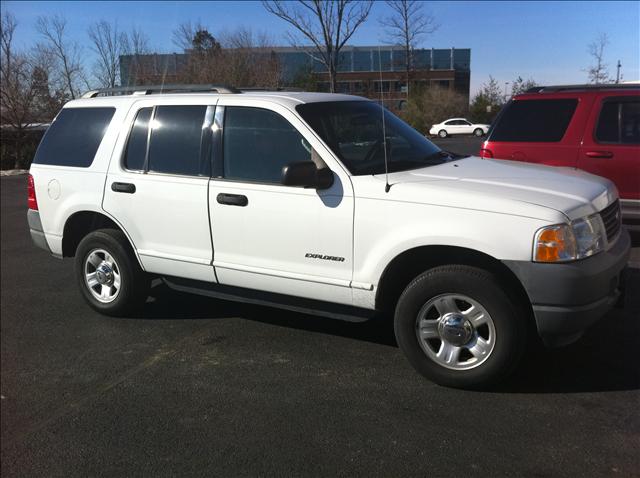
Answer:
[(591, 127)]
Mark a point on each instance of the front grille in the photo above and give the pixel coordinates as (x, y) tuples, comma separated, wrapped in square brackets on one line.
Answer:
[(612, 219)]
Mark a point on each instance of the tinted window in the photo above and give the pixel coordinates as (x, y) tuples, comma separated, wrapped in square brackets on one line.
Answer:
[(74, 136), (137, 145), (258, 143), (354, 131), (176, 136), (534, 120), (619, 122)]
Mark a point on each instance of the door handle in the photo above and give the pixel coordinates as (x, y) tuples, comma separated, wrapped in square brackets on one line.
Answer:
[(599, 154), (123, 188), (232, 199)]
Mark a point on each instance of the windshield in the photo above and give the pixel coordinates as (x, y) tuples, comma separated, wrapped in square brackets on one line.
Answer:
[(353, 131)]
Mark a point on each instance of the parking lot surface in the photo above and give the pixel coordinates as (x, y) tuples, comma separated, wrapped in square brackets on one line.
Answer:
[(196, 386)]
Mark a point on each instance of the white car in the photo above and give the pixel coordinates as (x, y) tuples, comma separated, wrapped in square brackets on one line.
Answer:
[(458, 126), (301, 201)]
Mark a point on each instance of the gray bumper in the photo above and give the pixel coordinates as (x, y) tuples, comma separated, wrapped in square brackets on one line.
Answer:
[(35, 228), (568, 298)]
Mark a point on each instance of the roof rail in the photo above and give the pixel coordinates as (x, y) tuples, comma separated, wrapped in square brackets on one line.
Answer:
[(280, 88), (606, 86), (151, 89)]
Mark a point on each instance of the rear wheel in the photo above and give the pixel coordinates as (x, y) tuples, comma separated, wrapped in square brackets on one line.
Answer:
[(458, 328), (442, 133), (478, 132), (108, 273)]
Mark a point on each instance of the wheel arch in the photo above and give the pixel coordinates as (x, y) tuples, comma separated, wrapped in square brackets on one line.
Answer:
[(409, 264), (81, 223)]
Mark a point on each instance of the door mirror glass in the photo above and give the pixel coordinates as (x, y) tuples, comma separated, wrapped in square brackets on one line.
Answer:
[(306, 174)]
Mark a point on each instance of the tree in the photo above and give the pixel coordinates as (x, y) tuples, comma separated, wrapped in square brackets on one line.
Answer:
[(69, 70), (405, 26), (487, 102), (432, 105), (135, 44), (519, 85), (327, 24), (598, 72), (108, 45)]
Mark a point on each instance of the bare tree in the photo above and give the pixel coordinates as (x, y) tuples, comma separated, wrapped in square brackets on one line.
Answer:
[(598, 72), (327, 24), (68, 54), (520, 85), (135, 44), (405, 26), (108, 44), (18, 95)]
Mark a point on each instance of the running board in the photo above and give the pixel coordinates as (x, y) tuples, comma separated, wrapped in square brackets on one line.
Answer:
[(268, 299)]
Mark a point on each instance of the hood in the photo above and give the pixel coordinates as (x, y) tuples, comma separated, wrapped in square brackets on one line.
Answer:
[(508, 187)]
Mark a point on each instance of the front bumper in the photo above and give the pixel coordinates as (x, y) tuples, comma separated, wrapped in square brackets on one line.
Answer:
[(35, 228), (568, 298)]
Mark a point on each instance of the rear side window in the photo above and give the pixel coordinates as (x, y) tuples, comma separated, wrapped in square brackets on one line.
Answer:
[(535, 121), (619, 122), (74, 137), (176, 140), (136, 151)]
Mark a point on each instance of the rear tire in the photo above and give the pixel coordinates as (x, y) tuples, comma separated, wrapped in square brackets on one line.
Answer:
[(443, 133), (108, 273), (458, 327), (478, 132)]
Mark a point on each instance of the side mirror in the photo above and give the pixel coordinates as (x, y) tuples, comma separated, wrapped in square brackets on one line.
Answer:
[(307, 175)]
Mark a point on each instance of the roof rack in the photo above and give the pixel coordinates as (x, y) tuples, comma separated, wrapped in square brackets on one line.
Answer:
[(151, 89), (280, 88), (608, 86)]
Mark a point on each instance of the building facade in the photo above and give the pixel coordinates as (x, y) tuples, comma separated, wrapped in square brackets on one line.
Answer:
[(365, 71)]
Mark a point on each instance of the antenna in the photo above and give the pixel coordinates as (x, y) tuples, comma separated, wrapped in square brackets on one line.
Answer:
[(387, 186)]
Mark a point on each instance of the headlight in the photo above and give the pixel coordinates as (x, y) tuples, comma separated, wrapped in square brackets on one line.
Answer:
[(567, 242)]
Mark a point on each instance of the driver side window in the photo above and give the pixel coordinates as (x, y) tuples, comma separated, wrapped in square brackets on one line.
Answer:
[(258, 143)]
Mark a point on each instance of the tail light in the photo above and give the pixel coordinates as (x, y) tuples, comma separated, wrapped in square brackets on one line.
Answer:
[(31, 191), (486, 153)]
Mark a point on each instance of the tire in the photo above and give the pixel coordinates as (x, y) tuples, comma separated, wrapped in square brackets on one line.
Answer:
[(443, 133), (478, 132), (104, 260), (471, 334)]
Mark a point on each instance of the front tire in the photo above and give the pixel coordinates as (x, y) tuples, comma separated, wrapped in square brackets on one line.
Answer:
[(478, 132), (443, 133), (458, 327), (108, 273)]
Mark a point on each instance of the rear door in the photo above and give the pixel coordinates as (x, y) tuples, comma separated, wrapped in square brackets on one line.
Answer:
[(611, 145), (157, 187)]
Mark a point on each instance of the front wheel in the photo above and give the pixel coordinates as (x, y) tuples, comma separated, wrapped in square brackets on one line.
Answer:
[(108, 273), (442, 133), (458, 328), (478, 132)]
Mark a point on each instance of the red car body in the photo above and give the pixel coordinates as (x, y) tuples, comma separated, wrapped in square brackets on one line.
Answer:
[(593, 128)]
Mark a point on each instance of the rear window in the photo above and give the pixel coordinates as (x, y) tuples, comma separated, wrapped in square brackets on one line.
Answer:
[(74, 136), (535, 121)]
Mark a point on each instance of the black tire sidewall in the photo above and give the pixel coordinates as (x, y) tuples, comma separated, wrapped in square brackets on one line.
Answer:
[(475, 132), (132, 284), (443, 135), (485, 289)]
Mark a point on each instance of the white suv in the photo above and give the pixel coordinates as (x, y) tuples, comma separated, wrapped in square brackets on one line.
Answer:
[(282, 199)]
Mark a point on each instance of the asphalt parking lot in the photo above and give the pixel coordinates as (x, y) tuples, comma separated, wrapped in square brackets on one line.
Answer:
[(195, 386)]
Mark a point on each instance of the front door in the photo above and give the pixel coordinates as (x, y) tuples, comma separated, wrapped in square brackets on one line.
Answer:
[(271, 237)]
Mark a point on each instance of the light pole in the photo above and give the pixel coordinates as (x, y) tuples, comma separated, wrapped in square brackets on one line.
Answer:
[(505, 91), (618, 72)]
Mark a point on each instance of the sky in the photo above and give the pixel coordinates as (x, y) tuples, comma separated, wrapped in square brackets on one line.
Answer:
[(545, 41)]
